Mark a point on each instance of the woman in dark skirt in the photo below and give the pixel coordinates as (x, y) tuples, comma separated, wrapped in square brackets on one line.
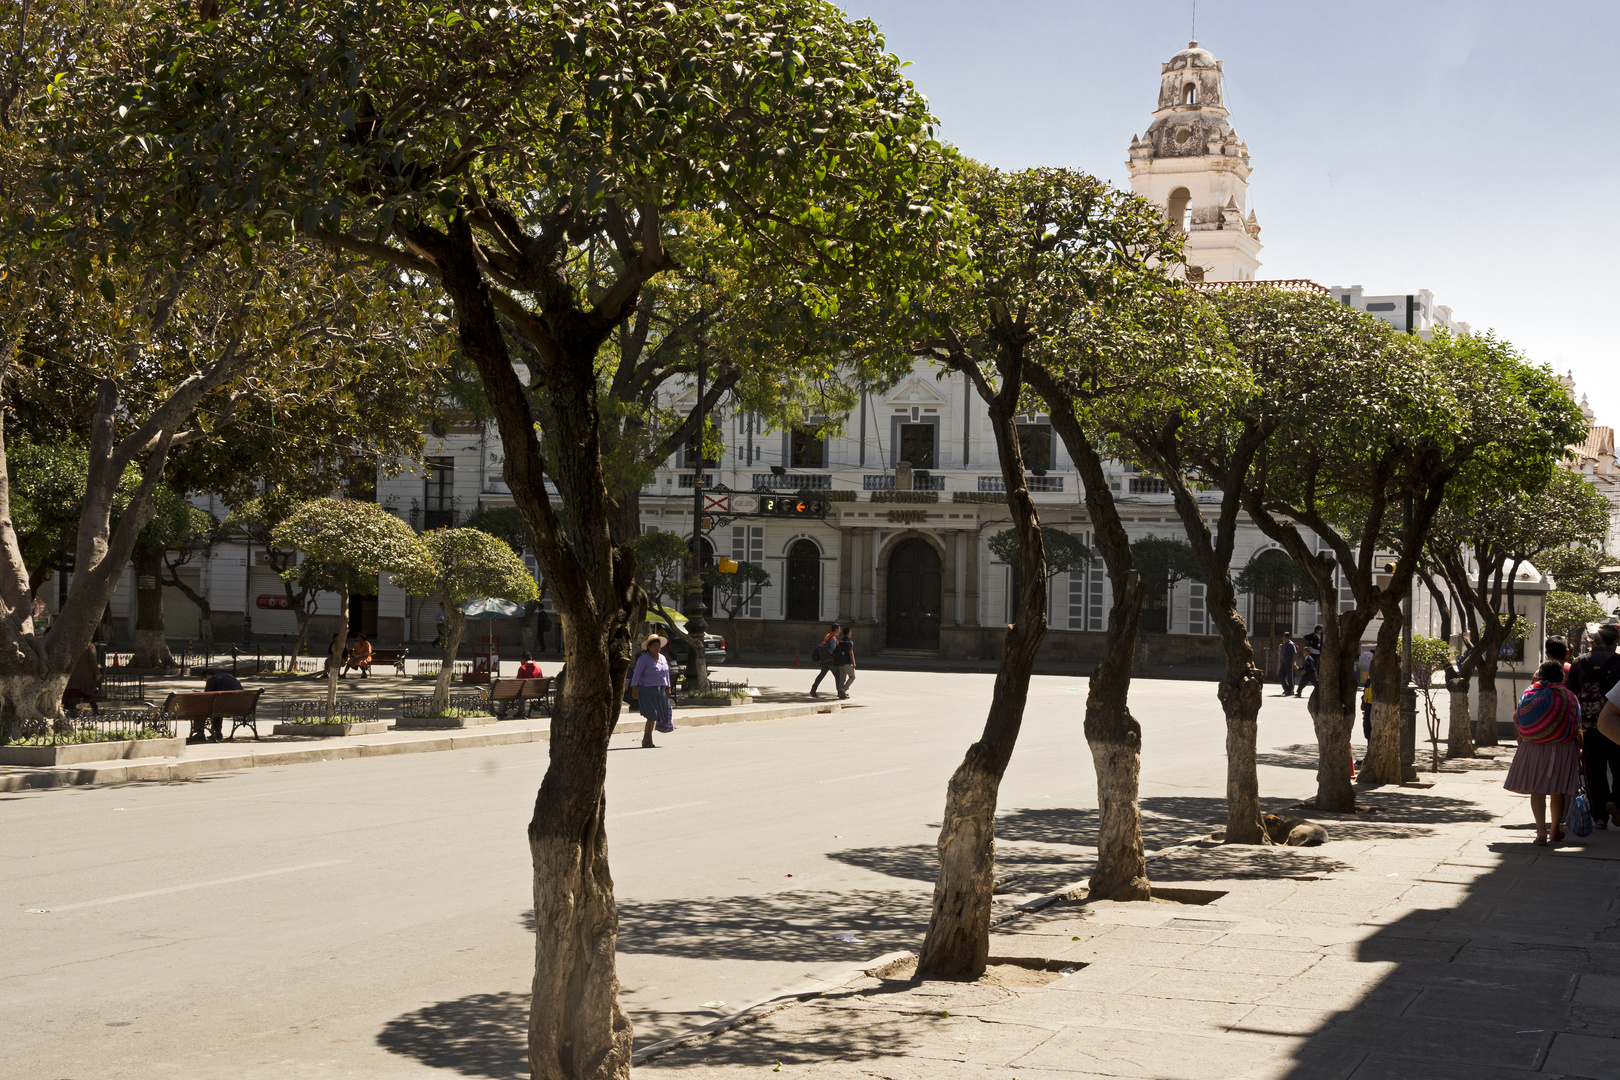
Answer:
[(1548, 760), (649, 685)]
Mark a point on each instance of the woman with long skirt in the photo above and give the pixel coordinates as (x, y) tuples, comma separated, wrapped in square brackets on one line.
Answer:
[(649, 687), (1548, 760)]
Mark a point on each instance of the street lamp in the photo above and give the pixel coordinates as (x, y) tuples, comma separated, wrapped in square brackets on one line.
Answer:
[(695, 609)]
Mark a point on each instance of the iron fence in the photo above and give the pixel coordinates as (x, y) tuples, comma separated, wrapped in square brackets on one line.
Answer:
[(110, 725), (347, 711), (422, 704), (433, 667)]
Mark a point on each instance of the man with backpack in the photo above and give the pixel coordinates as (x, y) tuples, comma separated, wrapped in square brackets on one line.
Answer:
[(823, 655), (1591, 678)]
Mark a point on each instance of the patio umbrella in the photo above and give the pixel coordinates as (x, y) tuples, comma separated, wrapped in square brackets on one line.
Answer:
[(488, 607)]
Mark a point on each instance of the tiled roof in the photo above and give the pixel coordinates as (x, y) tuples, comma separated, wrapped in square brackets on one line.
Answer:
[(1599, 443)]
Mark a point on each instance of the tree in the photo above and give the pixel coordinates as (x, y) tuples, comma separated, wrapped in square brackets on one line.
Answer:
[(1569, 614), (1481, 540), (734, 590), (1045, 243), (1164, 561), (348, 539), (175, 523), (663, 562), (463, 564), (1066, 553), (1581, 569), (1430, 655), (197, 540), (1121, 353), (506, 523)]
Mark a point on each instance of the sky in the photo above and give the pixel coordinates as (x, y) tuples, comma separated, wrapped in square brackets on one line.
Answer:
[(1461, 147)]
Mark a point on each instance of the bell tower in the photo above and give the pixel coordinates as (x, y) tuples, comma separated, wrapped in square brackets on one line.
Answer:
[(1192, 165)]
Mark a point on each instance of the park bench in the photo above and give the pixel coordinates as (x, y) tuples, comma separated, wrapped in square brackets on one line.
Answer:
[(211, 708), (394, 658), (507, 692)]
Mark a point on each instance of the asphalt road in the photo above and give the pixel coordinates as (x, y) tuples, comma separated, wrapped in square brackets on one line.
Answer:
[(371, 917)]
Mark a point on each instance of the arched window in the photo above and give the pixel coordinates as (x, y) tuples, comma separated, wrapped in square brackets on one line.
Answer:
[(1189, 94), (1177, 210), (804, 580)]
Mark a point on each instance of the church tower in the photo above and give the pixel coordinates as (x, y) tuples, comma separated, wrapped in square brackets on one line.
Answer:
[(1193, 166)]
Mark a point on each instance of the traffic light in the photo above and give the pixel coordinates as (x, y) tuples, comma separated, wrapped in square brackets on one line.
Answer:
[(728, 566), (799, 506)]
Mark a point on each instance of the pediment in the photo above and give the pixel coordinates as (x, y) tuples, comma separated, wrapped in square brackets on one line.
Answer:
[(915, 390)]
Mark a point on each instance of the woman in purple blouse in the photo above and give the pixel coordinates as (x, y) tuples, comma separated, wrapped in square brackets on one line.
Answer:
[(649, 686)]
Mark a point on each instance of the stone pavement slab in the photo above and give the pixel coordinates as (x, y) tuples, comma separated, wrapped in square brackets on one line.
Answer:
[(1432, 942)]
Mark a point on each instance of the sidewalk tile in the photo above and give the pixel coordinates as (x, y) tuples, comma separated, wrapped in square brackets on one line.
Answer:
[(1249, 961), (1127, 951), (1150, 1054), (1107, 977), (1277, 1020), (1452, 1042), (1087, 1009), (1587, 1056), (1391, 1067), (1209, 986), (1513, 1008)]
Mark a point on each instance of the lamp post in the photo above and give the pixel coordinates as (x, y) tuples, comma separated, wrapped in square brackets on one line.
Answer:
[(695, 610)]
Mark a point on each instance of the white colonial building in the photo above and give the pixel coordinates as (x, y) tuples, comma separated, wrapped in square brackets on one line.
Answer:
[(903, 552)]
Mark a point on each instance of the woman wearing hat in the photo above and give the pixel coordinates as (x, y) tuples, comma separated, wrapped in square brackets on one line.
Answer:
[(649, 686)]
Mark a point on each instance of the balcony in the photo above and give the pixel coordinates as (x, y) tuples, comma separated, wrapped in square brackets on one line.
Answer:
[(792, 482), (685, 480), (921, 481), (1035, 484), (1149, 485)]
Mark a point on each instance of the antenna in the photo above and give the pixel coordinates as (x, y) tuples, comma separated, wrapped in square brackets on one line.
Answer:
[(1195, 20)]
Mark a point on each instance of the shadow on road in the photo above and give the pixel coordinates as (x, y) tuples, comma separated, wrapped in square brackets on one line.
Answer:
[(478, 1035)]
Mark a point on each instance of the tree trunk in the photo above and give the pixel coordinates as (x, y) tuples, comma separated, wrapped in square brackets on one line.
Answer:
[(1112, 733), (151, 650), (1460, 735), (577, 1030), (1335, 718), (205, 612), (455, 625), (957, 944), (334, 658), (1382, 765), (1485, 732)]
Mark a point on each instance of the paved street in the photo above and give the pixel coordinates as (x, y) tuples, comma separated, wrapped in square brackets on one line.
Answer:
[(368, 917)]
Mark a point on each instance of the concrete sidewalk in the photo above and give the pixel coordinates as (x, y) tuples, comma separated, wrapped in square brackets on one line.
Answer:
[(1427, 939), (246, 753)]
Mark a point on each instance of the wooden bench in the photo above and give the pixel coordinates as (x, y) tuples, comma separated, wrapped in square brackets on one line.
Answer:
[(211, 708), (516, 691), (394, 658)]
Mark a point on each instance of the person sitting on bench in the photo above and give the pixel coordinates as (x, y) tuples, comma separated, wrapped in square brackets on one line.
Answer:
[(359, 657), (527, 668), (217, 680)]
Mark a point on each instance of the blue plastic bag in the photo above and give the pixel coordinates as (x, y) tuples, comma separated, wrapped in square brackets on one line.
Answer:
[(1579, 818)]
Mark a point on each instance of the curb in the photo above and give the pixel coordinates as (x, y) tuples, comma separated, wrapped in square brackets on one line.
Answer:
[(100, 773)]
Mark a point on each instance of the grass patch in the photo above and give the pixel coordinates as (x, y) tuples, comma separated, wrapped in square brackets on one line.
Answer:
[(449, 714), (88, 736)]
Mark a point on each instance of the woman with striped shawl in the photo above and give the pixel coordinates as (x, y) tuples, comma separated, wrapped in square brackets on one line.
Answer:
[(1548, 761)]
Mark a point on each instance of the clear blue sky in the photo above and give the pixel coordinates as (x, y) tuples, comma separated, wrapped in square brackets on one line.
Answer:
[(1465, 147)]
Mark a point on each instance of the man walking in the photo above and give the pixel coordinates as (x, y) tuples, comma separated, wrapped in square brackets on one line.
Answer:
[(1287, 653), (824, 655), (844, 662), (1313, 650)]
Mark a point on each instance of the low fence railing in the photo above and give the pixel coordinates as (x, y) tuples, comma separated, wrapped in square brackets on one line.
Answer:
[(109, 725), (422, 704), (347, 711)]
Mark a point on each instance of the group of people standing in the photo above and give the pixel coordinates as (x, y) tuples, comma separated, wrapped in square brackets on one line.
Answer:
[(836, 653), (1297, 662), (1568, 723)]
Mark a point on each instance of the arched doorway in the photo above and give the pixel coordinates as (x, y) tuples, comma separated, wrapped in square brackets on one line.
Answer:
[(804, 580), (913, 614), (1273, 596)]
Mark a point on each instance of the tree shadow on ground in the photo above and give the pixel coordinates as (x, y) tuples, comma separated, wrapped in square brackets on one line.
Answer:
[(797, 926), (1020, 867), (479, 1035), (1391, 805), (1298, 756), (1211, 861), (1166, 820)]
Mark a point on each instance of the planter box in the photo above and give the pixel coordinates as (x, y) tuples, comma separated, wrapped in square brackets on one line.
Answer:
[(439, 723), (78, 753), (368, 727)]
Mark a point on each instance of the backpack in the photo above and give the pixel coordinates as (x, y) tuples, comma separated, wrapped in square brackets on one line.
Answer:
[(819, 653), (1595, 684)]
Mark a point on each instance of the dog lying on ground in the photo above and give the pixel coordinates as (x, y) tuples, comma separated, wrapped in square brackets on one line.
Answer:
[(1293, 831)]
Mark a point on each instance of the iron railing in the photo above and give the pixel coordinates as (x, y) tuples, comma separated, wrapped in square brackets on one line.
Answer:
[(1032, 483), (346, 711), (422, 704), (793, 482), (112, 725)]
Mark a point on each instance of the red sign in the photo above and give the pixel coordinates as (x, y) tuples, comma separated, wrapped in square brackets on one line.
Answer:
[(716, 502), (273, 602)]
